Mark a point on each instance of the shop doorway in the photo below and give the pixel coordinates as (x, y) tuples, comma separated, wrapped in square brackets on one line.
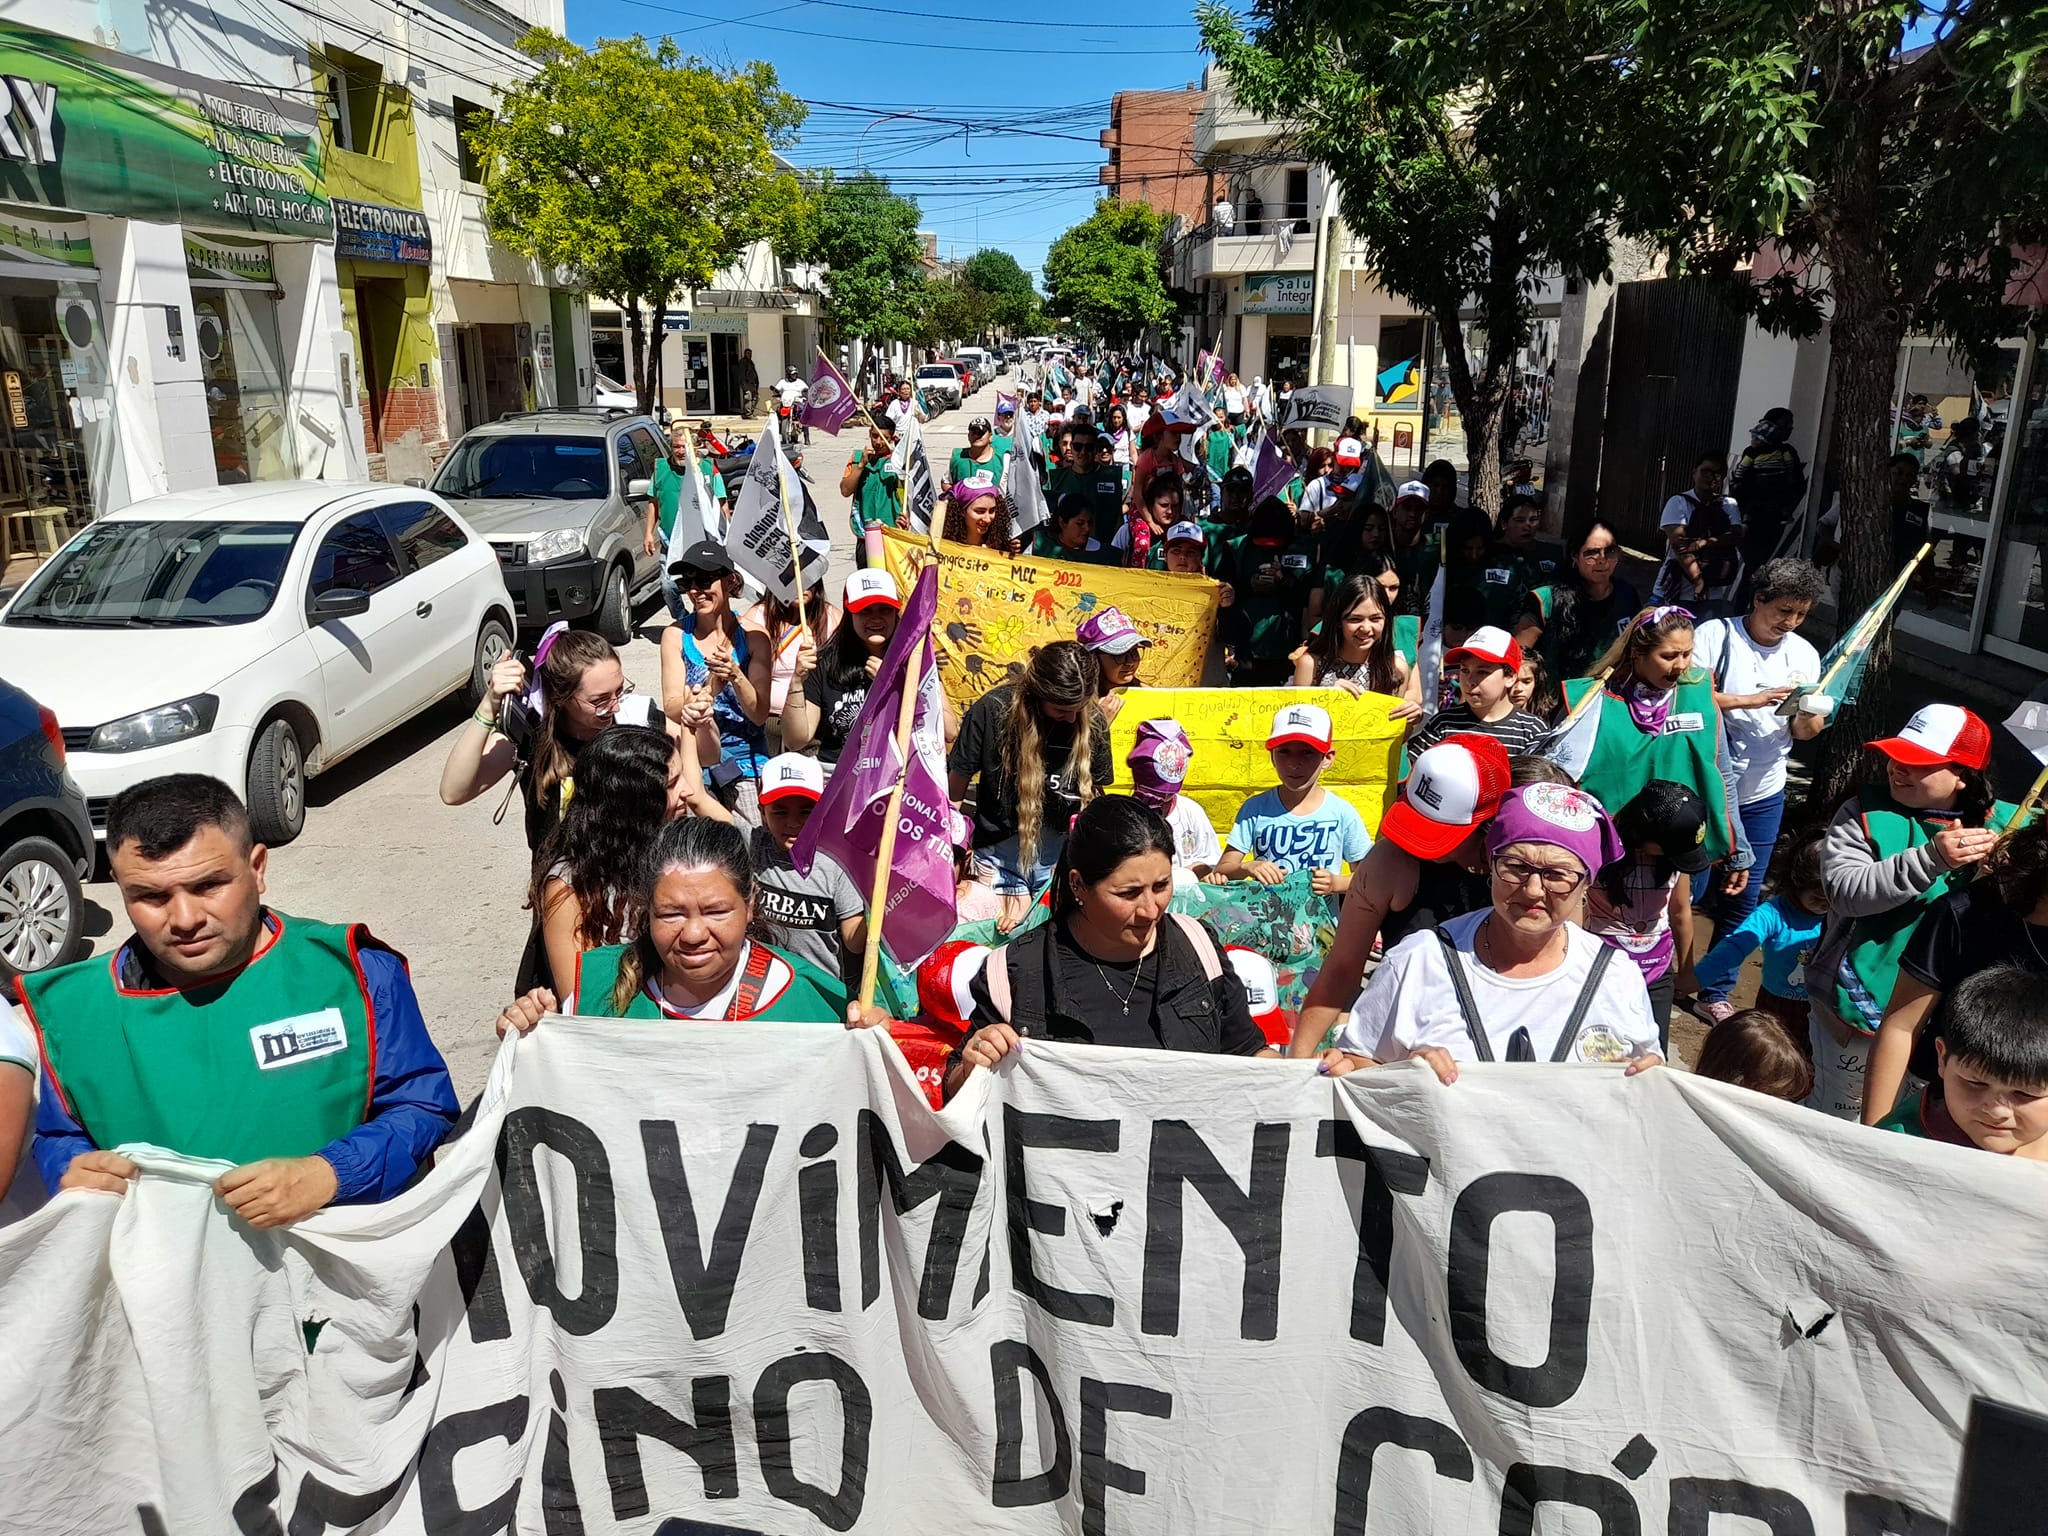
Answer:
[(243, 367), (725, 367), (1287, 356), (380, 323), (55, 430), (697, 375), (488, 372)]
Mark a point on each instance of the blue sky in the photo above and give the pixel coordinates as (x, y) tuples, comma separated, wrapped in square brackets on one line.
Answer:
[(1012, 161)]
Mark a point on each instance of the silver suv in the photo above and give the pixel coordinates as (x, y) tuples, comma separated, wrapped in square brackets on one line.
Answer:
[(562, 496)]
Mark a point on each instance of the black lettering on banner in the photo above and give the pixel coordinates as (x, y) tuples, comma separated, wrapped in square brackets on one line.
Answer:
[(1021, 1129), (817, 1204), (255, 1510), (952, 1175), (1252, 1216), (1696, 1500), (441, 1507), (561, 1511), (483, 1286), (1010, 1488), (1528, 1486), (1388, 1172), (596, 1216), (835, 1508), (704, 1288), (1363, 1437), (320, 1509), (1099, 1399), (624, 1417), (1481, 1203), (1865, 1514)]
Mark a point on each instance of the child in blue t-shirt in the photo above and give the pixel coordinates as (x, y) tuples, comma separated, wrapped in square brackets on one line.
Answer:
[(1786, 927), (1299, 825)]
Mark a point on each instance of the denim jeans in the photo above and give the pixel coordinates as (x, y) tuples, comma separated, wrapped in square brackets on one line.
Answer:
[(1760, 822)]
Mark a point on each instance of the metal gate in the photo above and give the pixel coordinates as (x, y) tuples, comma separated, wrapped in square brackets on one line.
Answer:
[(1676, 355)]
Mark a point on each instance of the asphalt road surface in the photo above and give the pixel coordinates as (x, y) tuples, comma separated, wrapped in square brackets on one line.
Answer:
[(446, 886)]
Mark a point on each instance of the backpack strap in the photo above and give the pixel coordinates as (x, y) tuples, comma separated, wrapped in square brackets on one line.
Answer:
[(1019, 981), (1481, 1046), (1203, 943), (748, 998), (1568, 1037)]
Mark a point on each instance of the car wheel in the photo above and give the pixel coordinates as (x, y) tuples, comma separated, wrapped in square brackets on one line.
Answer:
[(277, 784), (41, 908), (614, 610), (493, 643)]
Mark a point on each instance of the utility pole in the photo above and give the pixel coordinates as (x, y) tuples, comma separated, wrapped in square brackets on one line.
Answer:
[(1329, 248)]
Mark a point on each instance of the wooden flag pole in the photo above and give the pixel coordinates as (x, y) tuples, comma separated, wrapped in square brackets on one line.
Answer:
[(2027, 806), (796, 565), (885, 854), (1879, 612)]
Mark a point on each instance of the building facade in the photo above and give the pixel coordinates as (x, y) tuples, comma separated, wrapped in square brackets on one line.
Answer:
[(1150, 139), (229, 253)]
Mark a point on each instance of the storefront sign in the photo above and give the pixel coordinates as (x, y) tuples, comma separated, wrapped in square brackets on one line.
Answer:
[(228, 260), (99, 131), (1279, 293), (28, 234), (374, 232)]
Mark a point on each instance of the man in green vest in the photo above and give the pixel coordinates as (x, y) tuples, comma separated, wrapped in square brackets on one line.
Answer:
[(292, 1049)]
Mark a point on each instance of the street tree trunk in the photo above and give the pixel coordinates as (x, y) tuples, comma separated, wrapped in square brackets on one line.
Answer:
[(636, 339), (1483, 395)]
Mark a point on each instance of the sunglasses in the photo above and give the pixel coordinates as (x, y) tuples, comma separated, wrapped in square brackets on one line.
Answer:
[(699, 581)]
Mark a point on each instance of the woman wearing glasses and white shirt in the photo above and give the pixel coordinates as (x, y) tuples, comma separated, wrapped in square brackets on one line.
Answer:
[(1519, 980)]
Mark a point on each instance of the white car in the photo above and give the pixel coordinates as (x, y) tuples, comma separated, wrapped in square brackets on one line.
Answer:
[(256, 633)]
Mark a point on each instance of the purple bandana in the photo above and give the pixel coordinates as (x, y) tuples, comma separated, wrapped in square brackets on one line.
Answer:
[(1648, 707)]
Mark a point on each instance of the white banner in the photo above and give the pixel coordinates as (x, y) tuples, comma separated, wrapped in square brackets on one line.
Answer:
[(1324, 408), (739, 1278), (771, 499)]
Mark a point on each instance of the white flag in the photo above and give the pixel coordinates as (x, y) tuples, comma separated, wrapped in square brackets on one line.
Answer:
[(1324, 408), (1026, 494), (913, 468), (1429, 649), (698, 514), (758, 539)]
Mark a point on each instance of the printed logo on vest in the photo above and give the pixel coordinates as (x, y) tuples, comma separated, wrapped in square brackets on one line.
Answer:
[(304, 1037), (1688, 720)]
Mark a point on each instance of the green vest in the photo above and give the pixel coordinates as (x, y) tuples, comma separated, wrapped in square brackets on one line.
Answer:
[(1408, 636), (1870, 966), (1624, 759), (277, 1061), (811, 997), (876, 503)]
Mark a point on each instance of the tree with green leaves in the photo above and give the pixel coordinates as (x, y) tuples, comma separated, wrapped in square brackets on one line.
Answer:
[(642, 171), (1103, 274), (1459, 137), (866, 236), (1888, 161), (1012, 299)]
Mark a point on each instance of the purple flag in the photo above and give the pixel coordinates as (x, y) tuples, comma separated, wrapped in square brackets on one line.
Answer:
[(1005, 400), (847, 824), (1272, 471), (830, 402)]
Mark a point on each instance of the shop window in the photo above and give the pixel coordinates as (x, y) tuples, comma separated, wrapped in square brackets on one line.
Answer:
[(355, 557), (243, 366), (351, 86), (56, 427), (422, 532), (1296, 210), (469, 118), (2019, 601), (1398, 384)]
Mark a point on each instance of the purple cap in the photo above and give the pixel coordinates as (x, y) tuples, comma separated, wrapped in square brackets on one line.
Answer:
[(1159, 762), (1110, 631), (974, 487), (1561, 816)]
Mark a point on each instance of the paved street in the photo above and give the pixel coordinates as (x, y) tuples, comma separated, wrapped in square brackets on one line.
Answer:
[(446, 886)]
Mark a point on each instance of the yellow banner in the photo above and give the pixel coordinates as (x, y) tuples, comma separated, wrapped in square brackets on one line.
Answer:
[(1227, 728), (996, 609)]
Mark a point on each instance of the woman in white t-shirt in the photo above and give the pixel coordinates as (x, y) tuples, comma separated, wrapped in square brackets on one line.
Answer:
[(1757, 663), (1519, 980)]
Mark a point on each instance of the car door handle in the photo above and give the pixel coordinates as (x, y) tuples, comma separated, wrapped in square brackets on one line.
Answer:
[(423, 610)]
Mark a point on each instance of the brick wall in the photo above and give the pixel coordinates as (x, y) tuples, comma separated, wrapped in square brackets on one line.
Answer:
[(415, 435), (1151, 144)]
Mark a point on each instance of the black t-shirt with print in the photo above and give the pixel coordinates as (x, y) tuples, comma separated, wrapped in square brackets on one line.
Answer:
[(838, 709), (978, 753), (1965, 932)]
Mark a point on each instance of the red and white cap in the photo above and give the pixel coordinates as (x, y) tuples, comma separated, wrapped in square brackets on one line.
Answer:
[(1350, 452), (1452, 790), (1305, 723), (1262, 992), (789, 776), (1494, 646), (944, 980), (865, 588), (1939, 733)]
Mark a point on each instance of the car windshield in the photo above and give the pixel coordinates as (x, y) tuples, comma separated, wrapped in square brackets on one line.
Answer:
[(120, 575), (937, 373), (558, 468)]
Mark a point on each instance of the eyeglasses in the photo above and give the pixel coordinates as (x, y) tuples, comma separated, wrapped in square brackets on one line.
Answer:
[(1609, 553), (605, 703), (1514, 874)]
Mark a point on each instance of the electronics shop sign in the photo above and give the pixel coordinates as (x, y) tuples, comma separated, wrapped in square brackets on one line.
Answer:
[(373, 232)]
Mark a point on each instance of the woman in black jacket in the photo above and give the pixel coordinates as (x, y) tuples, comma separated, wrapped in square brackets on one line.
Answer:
[(1114, 966)]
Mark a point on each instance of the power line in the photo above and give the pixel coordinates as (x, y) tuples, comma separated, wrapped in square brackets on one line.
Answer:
[(1036, 25), (897, 42)]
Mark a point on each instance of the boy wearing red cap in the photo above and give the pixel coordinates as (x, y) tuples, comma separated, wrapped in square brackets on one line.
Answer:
[(820, 917), (1915, 830), (1486, 667), (1299, 825), (1428, 865)]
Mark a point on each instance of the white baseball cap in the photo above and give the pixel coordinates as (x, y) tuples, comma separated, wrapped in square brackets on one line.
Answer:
[(1261, 992), (791, 774), (1305, 723), (1408, 488), (1186, 530), (1350, 451), (1453, 789), (868, 587), (1940, 733)]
